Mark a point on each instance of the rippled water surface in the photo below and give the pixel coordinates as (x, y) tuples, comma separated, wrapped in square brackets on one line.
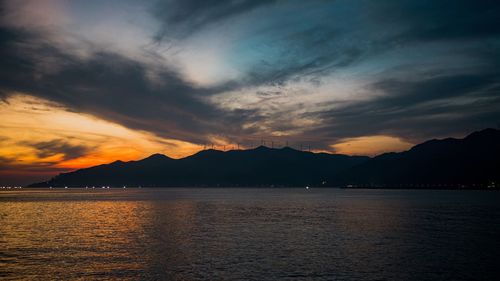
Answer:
[(249, 234)]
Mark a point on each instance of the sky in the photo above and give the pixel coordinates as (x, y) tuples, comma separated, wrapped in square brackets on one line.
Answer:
[(89, 82)]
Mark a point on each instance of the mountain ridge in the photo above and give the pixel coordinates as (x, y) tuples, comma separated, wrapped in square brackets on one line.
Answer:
[(474, 159), (274, 167)]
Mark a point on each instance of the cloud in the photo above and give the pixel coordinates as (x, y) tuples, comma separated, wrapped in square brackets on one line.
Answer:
[(439, 20), (427, 108), (180, 18), (370, 145), (411, 93), (57, 146), (118, 89)]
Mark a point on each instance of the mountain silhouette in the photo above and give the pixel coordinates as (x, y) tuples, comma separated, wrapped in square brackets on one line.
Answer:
[(473, 161), (470, 162), (262, 166)]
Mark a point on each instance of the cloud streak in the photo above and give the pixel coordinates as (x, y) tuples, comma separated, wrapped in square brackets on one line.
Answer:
[(53, 147), (180, 18)]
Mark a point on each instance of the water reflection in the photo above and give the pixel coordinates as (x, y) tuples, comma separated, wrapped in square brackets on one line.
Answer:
[(251, 234), (75, 239)]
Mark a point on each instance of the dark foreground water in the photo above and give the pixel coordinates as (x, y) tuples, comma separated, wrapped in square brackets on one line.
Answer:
[(249, 234)]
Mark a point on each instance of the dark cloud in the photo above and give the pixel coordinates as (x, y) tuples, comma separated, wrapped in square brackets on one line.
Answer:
[(439, 20), (4, 160), (416, 110), (310, 51), (12, 166), (344, 33), (57, 146), (180, 18), (289, 67), (12, 63), (118, 89), (413, 93)]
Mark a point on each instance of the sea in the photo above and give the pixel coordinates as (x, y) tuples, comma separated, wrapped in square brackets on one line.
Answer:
[(249, 234)]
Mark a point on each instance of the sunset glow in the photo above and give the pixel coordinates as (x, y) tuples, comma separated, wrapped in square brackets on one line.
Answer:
[(85, 83), (371, 145), (76, 140)]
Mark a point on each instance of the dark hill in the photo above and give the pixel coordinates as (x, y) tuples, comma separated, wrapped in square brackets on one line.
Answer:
[(435, 163), (261, 166)]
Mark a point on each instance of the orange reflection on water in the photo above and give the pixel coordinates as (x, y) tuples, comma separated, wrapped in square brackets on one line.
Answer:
[(92, 234), (80, 239)]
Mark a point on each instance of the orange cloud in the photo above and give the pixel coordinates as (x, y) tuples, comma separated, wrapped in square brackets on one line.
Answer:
[(371, 145)]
